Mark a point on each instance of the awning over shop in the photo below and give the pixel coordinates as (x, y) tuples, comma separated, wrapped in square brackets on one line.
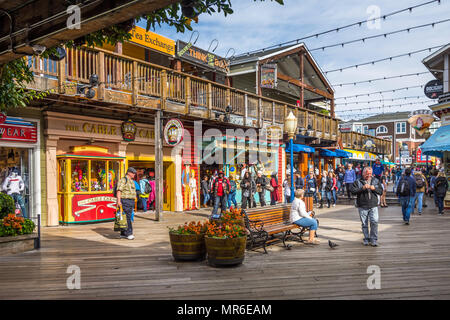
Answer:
[(300, 148), (361, 155), (437, 143), (328, 153), (342, 153)]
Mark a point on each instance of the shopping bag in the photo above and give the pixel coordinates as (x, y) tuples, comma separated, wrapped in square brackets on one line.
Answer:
[(121, 220)]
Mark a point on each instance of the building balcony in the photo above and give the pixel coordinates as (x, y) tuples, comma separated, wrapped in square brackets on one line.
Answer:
[(126, 82)]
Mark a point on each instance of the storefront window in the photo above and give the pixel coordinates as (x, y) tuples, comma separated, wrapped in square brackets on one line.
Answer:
[(113, 173), (98, 175), (79, 175), (62, 175)]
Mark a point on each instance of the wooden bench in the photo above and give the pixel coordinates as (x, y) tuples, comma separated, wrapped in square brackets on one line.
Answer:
[(264, 223)]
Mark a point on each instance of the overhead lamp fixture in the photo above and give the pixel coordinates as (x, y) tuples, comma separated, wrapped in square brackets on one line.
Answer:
[(87, 89)]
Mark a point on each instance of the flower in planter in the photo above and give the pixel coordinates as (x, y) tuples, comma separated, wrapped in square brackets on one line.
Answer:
[(13, 226), (226, 230), (232, 215), (190, 228)]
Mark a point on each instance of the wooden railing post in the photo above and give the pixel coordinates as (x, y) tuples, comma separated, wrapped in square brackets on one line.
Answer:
[(134, 83), (62, 76), (260, 113), (101, 75), (228, 98), (187, 94), (273, 112), (210, 100), (163, 89), (245, 110)]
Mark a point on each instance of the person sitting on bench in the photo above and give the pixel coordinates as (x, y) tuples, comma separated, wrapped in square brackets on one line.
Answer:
[(300, 217)]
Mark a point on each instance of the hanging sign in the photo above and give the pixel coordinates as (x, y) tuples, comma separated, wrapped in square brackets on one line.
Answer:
[(129, 130), (152, 40), (173, 132), (269, 76), (421, 120), (433, 89), (187, 51), (17, 129)]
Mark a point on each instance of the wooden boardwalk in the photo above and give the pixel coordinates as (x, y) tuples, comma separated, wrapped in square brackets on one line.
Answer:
[(414, 262)]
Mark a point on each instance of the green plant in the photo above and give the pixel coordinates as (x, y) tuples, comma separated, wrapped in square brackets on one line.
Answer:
[(6, 205), (14, 226), (190, 228)]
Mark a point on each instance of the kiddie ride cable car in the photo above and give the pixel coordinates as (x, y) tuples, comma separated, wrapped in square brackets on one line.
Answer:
[(87, 176)]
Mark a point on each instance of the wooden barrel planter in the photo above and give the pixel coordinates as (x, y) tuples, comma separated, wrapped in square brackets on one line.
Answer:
[(225, 252), (187, 247)]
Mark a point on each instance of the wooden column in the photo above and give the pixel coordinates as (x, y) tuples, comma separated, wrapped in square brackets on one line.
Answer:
[(62, 76), (187, 94), (209, 99), (246, 110), (159, 174), (52, 176), (101, 75), (302, 88), (332, 108), (163, 89)]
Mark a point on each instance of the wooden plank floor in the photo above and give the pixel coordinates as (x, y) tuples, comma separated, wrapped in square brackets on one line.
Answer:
[(414, 262)]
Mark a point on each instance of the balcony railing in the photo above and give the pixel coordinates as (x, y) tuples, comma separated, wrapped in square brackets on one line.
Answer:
[(129, 81), (356, 140)]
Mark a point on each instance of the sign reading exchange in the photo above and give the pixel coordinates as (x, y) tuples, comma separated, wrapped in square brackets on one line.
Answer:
[(152, 40), (194, 54)]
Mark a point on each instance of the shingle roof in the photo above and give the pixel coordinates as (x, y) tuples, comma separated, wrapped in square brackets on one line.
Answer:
[(384, 117)]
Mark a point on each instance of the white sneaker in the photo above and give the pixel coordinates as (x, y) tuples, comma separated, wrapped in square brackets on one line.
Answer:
[(130, 237), (334, 205)]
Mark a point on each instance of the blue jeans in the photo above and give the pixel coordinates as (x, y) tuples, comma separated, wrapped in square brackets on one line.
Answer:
[(406, 207), (18, 198), (307, 222), (222, 201), (340, 185), (144, 203), (206, 197), (326, 195), (369, 216), (419, 198), (232, 199), (334, 196)]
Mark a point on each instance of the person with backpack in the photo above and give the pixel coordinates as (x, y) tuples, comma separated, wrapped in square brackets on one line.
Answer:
[(299, 183), (206, 190), (406, 192), (349, 178), (261, 188), (421, 187), (146, 190), (440, 191), (367, 189), (232, 194), (221, 189), (126, 196)]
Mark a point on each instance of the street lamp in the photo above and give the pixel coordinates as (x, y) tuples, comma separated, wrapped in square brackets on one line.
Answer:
[(290, 125)]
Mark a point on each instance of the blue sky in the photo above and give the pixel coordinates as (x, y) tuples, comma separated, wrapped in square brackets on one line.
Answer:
[(255, 25)]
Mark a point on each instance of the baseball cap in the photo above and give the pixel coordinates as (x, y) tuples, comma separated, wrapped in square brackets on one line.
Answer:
[(132, 170)]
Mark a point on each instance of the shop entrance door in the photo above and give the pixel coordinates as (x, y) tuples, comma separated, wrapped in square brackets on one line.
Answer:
[(15, 177), (168, 182)]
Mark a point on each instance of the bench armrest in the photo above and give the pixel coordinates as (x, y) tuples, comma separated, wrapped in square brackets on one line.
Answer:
[(254, 225)]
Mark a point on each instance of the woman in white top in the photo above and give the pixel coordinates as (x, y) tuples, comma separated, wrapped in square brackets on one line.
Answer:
[(300, 217)]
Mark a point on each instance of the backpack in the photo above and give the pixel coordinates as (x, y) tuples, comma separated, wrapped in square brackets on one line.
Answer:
[(148, 188), (419, 182), (233, 186), (115, 188), (403, 187)]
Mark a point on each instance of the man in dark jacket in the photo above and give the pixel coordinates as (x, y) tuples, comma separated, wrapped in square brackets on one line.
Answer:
[(406, 192), (299, 183), (261, 188), (221, 189), (367, 189)]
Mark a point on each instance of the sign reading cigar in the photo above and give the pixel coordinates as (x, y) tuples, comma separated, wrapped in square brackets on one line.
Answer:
[(187, 51)]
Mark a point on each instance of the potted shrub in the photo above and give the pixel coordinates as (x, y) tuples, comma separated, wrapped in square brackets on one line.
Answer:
[(188, 242), (6, 205), (225, 244)]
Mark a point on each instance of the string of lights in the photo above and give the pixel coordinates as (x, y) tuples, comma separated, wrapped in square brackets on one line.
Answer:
[(385, 59), (378, 92), (382, 107), (379, 100), (408, 30), (365, 115), (359, 23), (379, 79)]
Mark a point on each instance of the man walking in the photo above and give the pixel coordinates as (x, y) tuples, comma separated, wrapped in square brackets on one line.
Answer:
[(349, 178), (421, 188), (378, 169), (126, 195), (367, 191), (406, 192), (221, 189)]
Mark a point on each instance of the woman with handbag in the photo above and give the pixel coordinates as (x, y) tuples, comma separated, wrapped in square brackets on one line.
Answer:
[(311, 185), (246, 187), (274, 192)]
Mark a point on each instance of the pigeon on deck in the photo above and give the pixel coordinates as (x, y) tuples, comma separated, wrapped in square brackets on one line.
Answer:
[(332, 244)]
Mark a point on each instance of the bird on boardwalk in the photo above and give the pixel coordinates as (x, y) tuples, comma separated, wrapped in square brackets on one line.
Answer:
[(332, 244)]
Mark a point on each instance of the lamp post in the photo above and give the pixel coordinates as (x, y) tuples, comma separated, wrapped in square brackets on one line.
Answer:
[(290, 125)]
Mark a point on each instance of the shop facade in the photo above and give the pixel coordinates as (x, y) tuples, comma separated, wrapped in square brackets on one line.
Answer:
[(20, 163), (87, 155)]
